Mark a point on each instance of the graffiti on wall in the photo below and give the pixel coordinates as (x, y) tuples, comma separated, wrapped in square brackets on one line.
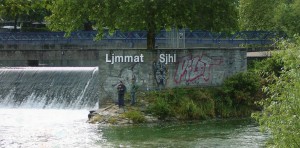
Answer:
[(196, 69), (160, 72)]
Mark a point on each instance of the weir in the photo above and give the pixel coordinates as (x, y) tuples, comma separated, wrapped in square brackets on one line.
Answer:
[(49, 87)]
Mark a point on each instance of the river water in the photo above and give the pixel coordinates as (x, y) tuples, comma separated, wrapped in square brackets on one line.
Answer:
[(68, 128), (48, 106)]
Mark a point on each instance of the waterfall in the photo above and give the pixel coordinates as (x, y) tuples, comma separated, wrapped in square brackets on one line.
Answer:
[(49, 87)]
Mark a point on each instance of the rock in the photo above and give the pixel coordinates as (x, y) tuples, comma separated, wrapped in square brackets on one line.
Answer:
[(96, 118), (91, 114), (111, 114), (150, 119)]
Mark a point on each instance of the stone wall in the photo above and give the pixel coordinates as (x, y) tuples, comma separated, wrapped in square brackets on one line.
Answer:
[(193, 67)]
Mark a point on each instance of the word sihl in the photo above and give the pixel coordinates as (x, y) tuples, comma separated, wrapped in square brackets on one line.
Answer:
[(163, 58)]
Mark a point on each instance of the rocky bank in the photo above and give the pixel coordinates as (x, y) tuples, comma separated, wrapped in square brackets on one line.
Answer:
[(111, 114)]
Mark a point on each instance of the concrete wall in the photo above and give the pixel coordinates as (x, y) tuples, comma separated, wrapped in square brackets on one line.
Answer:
[(50, 57), (54, 53), (193, 67)]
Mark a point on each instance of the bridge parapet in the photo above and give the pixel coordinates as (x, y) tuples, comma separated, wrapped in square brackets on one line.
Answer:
[(137, 39)]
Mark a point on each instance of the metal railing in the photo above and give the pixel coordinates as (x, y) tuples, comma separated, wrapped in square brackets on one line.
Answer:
[(185, 36)]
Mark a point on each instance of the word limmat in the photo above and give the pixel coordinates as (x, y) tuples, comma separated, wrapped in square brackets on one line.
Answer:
[(167, 58), (122, 59)]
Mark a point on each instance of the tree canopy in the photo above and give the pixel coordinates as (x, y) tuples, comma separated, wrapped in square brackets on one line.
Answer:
[(279, 15), (23, 10), (257, 14), (288, 16), (149, 15)]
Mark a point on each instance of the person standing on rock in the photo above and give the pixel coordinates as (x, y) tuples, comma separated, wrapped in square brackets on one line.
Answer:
[(121, 91)]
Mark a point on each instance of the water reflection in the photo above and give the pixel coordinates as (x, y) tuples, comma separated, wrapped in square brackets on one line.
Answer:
[(216, 133)]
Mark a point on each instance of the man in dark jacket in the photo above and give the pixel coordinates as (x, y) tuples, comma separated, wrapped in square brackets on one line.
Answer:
[(121, 91)]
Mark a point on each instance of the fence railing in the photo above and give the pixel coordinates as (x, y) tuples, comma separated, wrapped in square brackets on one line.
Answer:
[(183, 36)]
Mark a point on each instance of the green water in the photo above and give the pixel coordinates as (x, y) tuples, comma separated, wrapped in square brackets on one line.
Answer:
[(214, 133)]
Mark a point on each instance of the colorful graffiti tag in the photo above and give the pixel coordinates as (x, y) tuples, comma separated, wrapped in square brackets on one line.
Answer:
[(193, 69)]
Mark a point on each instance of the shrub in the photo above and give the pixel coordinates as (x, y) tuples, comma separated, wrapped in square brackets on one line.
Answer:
[(189, 110), (161, 108), (236, 97), (242, 88), (281, 109), (135, 116), (205, 101), (238, 94)]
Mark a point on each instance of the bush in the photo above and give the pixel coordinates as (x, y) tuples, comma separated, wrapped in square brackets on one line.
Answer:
[(235, 98), (161, 108), (238, 95), (205, 101), (135, 116), (189, 110), (183, 103), (281, 109), (242, 88)]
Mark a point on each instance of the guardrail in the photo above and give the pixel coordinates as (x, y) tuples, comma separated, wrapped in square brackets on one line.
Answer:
[(183, 36)]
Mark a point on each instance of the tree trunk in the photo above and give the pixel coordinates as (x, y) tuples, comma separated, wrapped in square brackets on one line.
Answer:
[(88, 26), (15, 25), (151, 39), (151, 27)]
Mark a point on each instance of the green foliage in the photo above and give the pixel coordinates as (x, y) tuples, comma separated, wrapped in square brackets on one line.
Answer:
[(242, 87), (204, 101), (23, 10), (269, 66), (238, 95), (281, 109), (184, 103), (161, 108), (280, 15), (235, 98), (224, 106), (257, 14), (71, 15), (135, 116), (189, 110), (149, 15), (287, 17)]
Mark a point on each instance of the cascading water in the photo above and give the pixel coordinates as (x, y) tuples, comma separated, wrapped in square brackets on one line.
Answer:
[(49, 87)]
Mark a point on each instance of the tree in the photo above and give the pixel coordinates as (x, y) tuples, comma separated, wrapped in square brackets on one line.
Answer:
[(288, 16), (279, 15), (149, 15), (257, 14), (281, 109), (25, 10)]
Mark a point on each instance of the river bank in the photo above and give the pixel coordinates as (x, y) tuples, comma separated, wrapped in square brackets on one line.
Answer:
[(236, 98), (111, 114)]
